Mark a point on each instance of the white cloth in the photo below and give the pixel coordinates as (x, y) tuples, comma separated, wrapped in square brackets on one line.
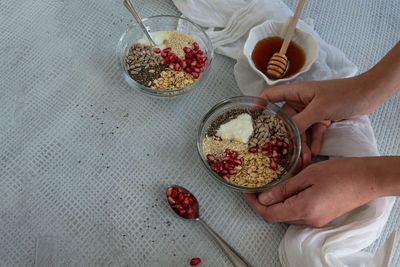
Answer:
[(339, 243)]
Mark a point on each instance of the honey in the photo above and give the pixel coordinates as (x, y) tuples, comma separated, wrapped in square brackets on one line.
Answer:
[(265, 48)]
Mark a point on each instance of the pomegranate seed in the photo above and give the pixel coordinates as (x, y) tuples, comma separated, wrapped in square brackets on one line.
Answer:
[(178, 207), (190, 200), (171, 58), (227, 151), (214, 167), (202, 64), (177, 67), (210, 158), (253, 149), (181, 196), (224, 172), (274, 154), (166, 50), (171, 201), (182, 211), (273, 165), (199, 52), (198, 65), (171, 66), (195, 261), (220, 167), (187, 49), (188, 61), (199, 58), (196, 46), (234, 154), (185, 202), (193, 64), (169, 191), (266, 147), (188, 56), (157, 50), (183, 64), (164, 55), (232, 172), (282, 162), (284, 151), (285, 145), (225, 177), (188, 70), (189, 210), (275, 159), (204, 59), (275, 148), (272, 142), (269, 154), (162, 61), (174, 193), (228, 165), (196, 70), (195, 75), (237, 162), (201, 69), (227, 158), (279, 143), (271, 132)]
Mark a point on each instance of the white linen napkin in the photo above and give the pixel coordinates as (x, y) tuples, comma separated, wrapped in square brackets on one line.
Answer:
[(339, 243)]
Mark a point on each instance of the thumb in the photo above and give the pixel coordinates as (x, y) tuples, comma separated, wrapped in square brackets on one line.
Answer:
[(307, 117), (284, 190)]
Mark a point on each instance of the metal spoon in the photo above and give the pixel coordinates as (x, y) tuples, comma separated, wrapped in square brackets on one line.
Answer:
[(193, 214), (129, 6)]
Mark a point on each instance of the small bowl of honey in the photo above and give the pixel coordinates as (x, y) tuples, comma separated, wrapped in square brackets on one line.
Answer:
[(266, 39)]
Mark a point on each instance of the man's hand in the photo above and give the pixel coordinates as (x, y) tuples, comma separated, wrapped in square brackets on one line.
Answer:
[(318, 194)]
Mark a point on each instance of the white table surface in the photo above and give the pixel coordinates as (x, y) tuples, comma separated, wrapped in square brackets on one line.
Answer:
[(84, 160)]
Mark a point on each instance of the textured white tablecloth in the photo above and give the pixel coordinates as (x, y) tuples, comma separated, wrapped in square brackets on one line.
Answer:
[(84, 160)]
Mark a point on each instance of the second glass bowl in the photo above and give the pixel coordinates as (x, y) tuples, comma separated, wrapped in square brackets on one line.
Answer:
[(266, 107), (165, 23)]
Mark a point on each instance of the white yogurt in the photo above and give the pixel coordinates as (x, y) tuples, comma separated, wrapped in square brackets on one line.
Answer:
[(158, 38), (239, 129)]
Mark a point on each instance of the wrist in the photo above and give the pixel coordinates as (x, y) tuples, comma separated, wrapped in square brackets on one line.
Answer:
[(384, 174)]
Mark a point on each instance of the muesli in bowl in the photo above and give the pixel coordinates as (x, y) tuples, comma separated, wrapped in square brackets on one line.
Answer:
[(248, 143)]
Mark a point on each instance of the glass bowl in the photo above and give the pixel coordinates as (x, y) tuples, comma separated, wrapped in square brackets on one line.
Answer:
[(164, 23), (267, 108)]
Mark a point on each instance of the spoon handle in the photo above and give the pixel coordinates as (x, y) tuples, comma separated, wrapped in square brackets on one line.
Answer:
[(234, 256), (129, 6)]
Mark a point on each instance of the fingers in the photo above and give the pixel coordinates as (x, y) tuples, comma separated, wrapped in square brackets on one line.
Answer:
[(317, 132), (305, 151), (287, 211), (253, 203), (307, 117), (281, 93), (284, 190)]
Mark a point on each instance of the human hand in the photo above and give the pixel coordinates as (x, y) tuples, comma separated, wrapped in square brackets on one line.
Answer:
[(318, 103), (318, 194)]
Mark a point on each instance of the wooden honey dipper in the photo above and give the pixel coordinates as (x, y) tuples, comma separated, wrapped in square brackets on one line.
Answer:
[(278, 63)]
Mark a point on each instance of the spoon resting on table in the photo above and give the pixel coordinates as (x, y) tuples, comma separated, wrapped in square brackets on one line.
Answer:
[(185, 205), (278, 63)]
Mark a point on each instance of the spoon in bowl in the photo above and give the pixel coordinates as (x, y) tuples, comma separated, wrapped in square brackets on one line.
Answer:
[(185, 205), (129, 6)]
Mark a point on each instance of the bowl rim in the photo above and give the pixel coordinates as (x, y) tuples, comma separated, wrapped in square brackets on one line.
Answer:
[(244, 188), (155, 92), (262, 75)]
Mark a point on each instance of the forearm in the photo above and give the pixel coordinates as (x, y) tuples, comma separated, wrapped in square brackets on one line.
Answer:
[(384, 173), (383, 80)]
